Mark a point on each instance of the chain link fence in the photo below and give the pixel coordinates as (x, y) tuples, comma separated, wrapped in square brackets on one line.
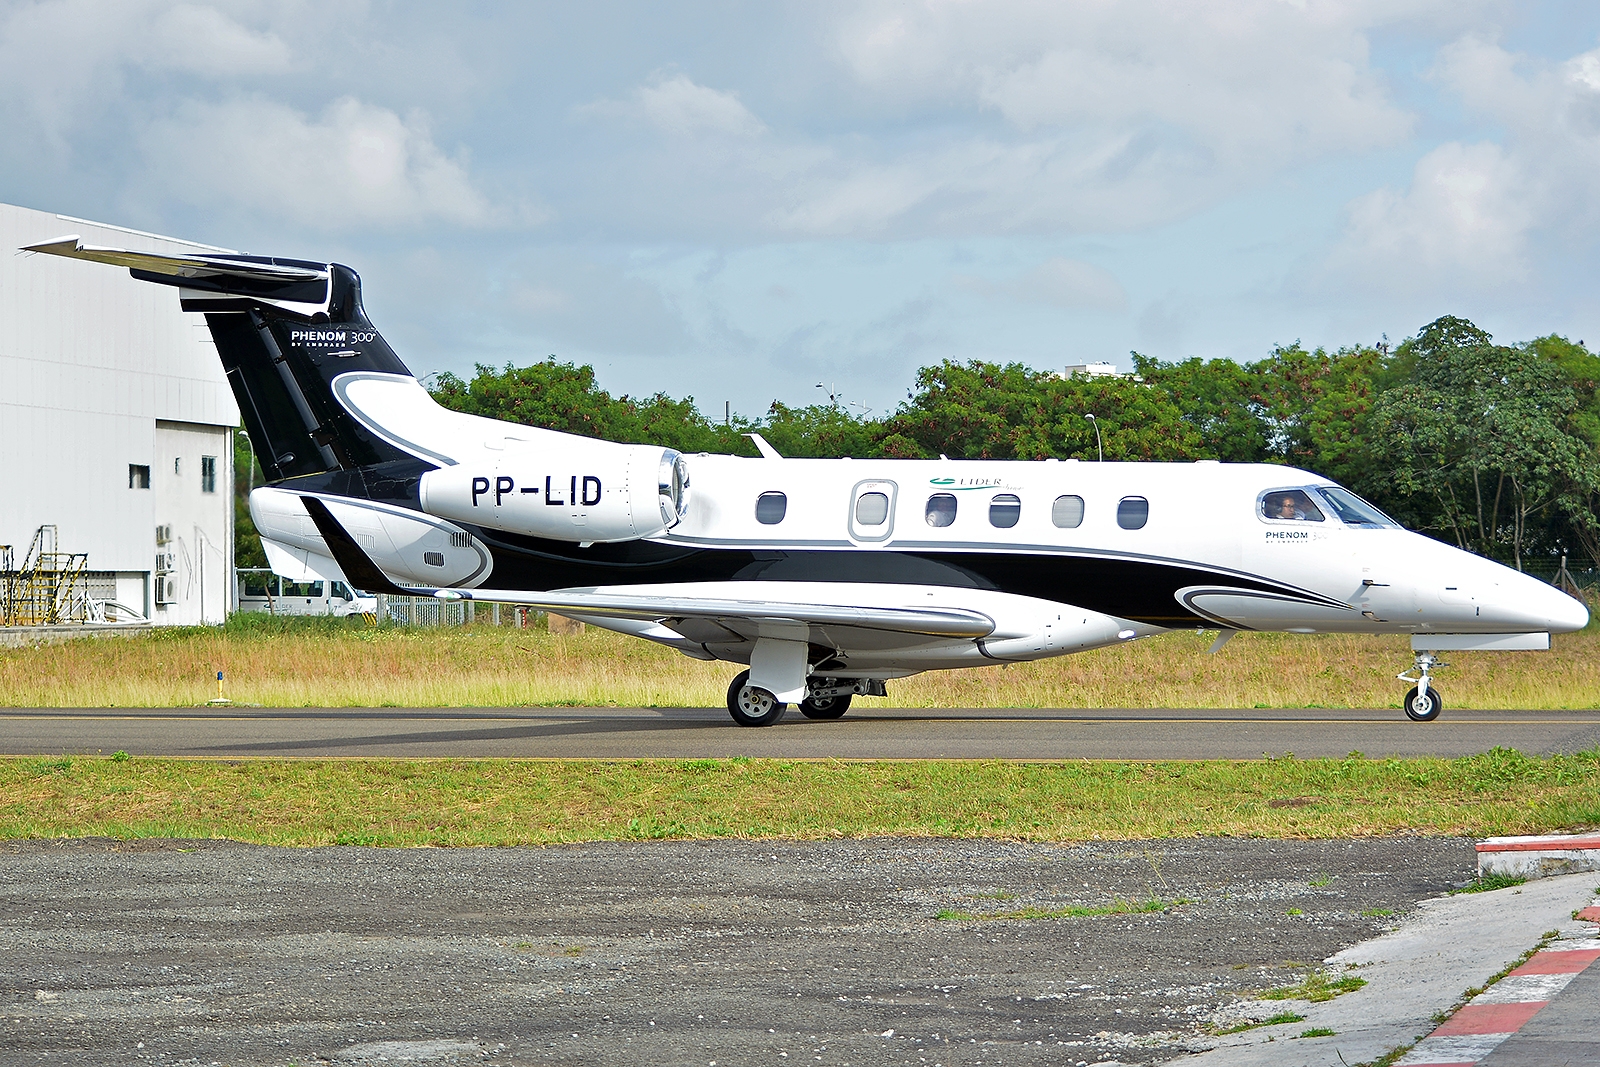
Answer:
[(428, 611)]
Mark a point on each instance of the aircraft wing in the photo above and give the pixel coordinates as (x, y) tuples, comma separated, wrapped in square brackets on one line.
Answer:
[(934, 623)]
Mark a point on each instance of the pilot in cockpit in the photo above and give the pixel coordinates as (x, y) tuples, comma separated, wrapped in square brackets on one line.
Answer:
[(1293, 505)]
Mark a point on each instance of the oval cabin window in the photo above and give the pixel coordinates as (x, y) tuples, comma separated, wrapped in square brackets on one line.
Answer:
[(872, 509), (941, 509), (1004, 511), (771, 508), (1133, 512), (1067, 512)]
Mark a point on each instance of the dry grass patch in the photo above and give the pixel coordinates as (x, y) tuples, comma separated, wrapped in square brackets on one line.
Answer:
[(510, 802), (335, 663)]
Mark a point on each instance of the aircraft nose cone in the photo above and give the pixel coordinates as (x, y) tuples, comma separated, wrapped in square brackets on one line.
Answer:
[(1544, 607), (1569, 613)]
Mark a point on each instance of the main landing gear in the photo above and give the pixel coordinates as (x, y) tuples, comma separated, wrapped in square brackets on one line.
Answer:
[(826, 698), (1422, 704), (751, 706)]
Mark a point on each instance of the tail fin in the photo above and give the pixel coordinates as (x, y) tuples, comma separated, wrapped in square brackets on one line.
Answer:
[(285, 328)]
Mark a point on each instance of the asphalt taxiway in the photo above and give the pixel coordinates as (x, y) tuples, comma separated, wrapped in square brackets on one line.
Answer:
[(866, 733)]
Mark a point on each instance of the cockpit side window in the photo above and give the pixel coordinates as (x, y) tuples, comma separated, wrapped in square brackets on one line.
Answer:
[(1290, 505), (1352, 509)]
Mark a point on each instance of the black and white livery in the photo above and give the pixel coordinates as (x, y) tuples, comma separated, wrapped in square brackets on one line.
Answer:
[(826, 577)]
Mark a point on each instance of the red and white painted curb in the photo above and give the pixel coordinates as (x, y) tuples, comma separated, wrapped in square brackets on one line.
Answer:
[(1505, 1007), (1539, 857)]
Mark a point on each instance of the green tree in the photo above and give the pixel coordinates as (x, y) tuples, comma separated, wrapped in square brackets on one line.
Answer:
[(1218, 399), (247, 550), (1490, 433), (980, 410), (1316, 407), (565, 396)]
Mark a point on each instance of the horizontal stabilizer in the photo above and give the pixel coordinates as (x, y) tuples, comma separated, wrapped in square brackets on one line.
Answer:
[(210, 279)]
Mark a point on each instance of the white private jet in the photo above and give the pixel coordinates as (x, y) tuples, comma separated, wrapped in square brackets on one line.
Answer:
[(826, 577)]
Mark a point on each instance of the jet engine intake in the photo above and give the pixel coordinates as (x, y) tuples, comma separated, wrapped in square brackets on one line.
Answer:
[(584, 491)]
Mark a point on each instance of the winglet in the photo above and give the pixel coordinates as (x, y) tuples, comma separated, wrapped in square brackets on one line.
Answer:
[(357, 565)]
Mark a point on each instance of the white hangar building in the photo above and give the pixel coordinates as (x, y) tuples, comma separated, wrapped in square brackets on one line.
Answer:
[(116, 423)]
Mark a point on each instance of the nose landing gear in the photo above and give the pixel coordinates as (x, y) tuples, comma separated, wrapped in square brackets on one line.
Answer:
[(1422, 704)]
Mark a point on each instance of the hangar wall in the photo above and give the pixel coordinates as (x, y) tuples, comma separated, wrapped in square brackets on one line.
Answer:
[(101, 375)]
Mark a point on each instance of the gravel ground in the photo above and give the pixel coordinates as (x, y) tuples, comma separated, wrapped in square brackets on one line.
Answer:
[(725, 952)]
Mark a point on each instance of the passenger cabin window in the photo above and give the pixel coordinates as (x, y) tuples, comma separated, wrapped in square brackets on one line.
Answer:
[(1004, 511), (1067, 512), (1133, 512), (1290, 505), (872, 509), (771, 508), (941, 509)]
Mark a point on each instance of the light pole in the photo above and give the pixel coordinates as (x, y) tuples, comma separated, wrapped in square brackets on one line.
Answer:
[(1099, 447)]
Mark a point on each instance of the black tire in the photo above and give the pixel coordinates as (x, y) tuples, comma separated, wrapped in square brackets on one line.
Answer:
[(1423, 708), (750, 706), (825, 707)]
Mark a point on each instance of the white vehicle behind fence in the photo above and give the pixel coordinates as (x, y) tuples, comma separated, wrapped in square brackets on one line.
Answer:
[(262, 590)]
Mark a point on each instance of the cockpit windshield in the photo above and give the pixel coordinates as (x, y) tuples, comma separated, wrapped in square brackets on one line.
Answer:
[(1290, 505), (1352, 509)]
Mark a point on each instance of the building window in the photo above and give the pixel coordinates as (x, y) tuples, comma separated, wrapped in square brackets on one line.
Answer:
[(177, 464), (771, 508), (138, 476), (208, 474), (1133, 512)]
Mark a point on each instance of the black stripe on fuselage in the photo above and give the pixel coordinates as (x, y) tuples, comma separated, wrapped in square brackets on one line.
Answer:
[(1142, 590)]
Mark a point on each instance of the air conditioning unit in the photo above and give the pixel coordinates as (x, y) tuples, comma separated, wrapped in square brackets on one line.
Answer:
[(166, 561), (166, 589), (163, 533)]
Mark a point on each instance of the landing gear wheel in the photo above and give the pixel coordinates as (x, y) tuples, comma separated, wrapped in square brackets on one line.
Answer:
[(751, 706), (825, 707), (1423, 707)]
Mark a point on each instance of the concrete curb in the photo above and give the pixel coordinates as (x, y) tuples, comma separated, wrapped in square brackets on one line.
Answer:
[(1489, 1018), (1413, 973), (1539, 857)]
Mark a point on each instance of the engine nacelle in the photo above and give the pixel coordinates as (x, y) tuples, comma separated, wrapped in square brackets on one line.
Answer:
[(578, 490)]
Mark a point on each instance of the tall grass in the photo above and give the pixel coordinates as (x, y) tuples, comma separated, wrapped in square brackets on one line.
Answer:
[(282, 662)]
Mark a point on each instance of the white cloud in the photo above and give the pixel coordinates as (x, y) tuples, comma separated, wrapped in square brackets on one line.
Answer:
[(1462, 223), (1110, 116), (64, 58), (681, 107), (678, 105), (1482, 216), (355, 165), (203, 40)]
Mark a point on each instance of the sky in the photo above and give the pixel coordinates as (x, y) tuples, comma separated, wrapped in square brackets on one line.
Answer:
[(741, 201)]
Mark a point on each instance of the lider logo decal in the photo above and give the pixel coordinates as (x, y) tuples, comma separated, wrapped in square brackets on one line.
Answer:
[(965, 483)]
